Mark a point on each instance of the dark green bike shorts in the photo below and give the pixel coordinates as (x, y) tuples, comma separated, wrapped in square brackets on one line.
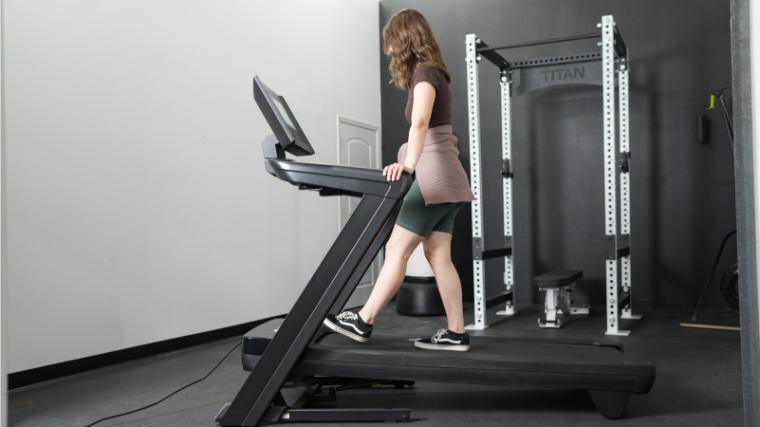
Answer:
[(423, 220)]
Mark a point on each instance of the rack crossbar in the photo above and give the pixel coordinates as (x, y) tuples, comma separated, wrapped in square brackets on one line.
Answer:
[(556, 60), (541, 42)]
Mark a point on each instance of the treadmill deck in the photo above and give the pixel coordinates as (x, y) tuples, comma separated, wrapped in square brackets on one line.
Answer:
[(499, 361), (535, 363)]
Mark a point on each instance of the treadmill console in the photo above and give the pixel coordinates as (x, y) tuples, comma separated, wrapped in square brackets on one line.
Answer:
[(288, 135)]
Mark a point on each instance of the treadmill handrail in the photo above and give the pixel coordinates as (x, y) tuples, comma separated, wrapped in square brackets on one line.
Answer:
[(345, 178)]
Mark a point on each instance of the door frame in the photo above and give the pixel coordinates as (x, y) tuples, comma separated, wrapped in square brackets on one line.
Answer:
[(344, 119)]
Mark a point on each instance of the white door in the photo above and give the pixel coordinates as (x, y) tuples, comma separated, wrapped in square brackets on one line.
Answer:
[(358, 145)]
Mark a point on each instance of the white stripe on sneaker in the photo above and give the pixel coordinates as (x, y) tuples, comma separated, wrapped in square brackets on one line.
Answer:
[(353, 326), (447, 347), (335, 328)]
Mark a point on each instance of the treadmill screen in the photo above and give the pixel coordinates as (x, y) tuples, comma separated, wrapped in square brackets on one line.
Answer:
[(278, 101), (279, 117)]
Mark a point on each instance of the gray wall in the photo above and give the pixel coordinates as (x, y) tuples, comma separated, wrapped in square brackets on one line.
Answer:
[(682, 193), (137, 208), (3, 364)]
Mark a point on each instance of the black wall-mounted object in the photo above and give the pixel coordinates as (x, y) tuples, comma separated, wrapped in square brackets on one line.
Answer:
[(703, 128)]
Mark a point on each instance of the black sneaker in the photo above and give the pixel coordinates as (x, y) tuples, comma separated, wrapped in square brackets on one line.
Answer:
[(349, 324), (445, 339)]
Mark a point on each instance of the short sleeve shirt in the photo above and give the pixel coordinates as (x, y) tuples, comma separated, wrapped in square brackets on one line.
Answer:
[(441, 114)]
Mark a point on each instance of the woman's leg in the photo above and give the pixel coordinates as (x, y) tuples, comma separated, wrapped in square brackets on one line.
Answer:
[(438, 253), (399, 248)]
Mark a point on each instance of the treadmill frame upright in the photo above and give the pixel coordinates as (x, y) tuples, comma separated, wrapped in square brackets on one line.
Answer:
[(329, 289), (614, 73)]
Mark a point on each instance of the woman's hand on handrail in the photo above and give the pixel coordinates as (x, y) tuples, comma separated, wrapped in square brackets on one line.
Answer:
[(393, 171)]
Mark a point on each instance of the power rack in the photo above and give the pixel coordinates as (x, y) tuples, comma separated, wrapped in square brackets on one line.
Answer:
[(609, 68)]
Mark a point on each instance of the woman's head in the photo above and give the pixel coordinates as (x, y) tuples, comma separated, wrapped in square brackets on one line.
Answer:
[(408, 41)]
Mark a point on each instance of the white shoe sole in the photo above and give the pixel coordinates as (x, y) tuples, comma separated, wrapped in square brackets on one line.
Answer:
[(445, 347), (335, 328)]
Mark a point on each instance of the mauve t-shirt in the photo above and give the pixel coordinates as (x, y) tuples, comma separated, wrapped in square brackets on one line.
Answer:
[(441, 114)]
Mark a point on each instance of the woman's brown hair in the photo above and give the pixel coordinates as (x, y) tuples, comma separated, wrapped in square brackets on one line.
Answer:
[(409, 36)]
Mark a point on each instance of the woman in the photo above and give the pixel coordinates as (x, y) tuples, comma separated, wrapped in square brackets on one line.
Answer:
[(439, 190)]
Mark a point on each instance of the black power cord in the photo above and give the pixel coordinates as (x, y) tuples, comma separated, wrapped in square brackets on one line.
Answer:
[(713, 270), (110, 417)]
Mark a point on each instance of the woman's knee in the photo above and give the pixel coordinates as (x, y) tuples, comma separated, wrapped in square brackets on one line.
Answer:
[(400, 246), (437, 251), (438, 258), (397, 254), (428, 254), (441, 264)]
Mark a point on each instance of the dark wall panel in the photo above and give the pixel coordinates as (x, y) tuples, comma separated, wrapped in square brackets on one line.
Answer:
[(682, 192)]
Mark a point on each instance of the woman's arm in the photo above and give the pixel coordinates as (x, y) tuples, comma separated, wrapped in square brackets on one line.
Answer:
[(424, 96)]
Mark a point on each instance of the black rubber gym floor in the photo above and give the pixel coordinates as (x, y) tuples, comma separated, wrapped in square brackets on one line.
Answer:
[(698, 384)]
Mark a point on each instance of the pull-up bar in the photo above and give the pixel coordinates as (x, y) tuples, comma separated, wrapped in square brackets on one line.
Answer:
[(542, 42), (492, 55)]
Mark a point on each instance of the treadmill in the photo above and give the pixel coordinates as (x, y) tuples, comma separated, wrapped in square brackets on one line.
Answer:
[(295, 363)]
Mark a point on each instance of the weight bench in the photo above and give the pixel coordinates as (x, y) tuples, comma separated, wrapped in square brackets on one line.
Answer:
[(557, 286)]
